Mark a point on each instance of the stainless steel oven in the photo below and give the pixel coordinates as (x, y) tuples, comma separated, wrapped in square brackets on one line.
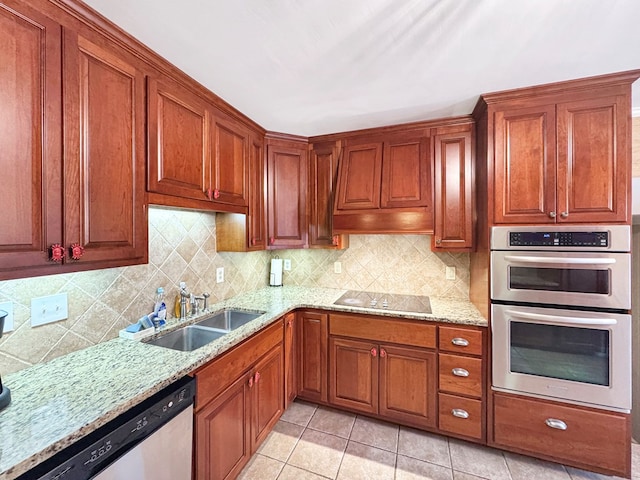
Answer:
[(571, 355), (579, 266), (560, 319)]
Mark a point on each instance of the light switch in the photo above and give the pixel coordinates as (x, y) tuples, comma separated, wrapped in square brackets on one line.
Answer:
[(49, 309), (287, 264), (450, 273), (337, 267), (219, 274)]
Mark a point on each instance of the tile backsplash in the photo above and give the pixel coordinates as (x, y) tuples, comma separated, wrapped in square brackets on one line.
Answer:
[(182, 247)]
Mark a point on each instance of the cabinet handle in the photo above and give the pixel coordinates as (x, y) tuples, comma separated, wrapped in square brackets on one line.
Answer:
[(552, 214), (271, 240), (257, 376), (460, 413), (438, 241), (460, 342), (334, 240), (564, 214), (57, 253), (460, 372), (383, 353), (209, 193), (251, 381), (555, 423), (216, 193), (253, 242), (289, 323), (374, 352), (77, 251)]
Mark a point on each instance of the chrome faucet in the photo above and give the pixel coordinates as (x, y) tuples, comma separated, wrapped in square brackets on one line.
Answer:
[(194, 303), (184, 296)]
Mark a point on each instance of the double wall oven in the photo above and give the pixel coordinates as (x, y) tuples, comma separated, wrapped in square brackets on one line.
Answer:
[(561, 327)]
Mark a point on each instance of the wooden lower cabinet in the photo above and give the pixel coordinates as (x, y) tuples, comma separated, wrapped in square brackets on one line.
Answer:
[(353, 374), (460, 416), (597, 440), (290, 358), (240, 397), (312, 355)]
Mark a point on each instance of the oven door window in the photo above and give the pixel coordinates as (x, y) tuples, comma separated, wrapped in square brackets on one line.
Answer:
[(560, 280), (567, 353)]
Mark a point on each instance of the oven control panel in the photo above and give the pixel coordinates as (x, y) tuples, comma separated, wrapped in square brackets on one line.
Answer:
[(559, 239)]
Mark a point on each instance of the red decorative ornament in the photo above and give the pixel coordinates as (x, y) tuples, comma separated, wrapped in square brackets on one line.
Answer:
[(57, 253), (77, 251)]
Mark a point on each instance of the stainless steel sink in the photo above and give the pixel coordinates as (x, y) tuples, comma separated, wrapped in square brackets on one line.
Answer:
[(187, 339), (229, 319)]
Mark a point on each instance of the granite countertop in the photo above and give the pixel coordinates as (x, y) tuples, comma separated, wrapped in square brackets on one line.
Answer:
[(56, 403)]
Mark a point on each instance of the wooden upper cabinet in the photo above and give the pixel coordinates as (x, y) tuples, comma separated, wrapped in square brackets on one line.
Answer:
[(360, 177), (406, 173), (179, 128), (229, 171), (561, 152), (257, 219), (287, 194), (593, 160), (104, 152), (453, 218), (525, 165), (323, 170), (30, 140)]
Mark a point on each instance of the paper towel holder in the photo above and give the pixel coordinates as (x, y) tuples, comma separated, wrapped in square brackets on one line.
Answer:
[(275, 274)]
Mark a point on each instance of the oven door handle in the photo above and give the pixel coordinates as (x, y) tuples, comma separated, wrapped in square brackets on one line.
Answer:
[(562, 320), (560, 260)]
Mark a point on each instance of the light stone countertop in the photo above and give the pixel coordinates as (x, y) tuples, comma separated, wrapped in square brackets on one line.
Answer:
[(56, 403)]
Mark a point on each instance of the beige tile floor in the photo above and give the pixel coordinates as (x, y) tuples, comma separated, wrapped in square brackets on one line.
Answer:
[(317, 443)]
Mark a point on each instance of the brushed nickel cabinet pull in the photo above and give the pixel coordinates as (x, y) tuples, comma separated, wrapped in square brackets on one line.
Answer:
[(460, 413), (460, 372), (555, 423), (460, 342)]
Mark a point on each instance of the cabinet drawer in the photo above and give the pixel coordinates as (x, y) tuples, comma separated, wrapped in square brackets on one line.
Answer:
[(376, 329), (222, 371), (459, 415), (460, 340), (461, 375), (587, 437)]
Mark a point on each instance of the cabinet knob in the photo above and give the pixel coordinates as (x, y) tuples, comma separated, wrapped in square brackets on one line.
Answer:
[(374, 352), (253, 242), (77, 251), (257, 376), (460, 413), (216, 193), (552, 214), (209, 194), (251, 381), (383, 353), (289, 323), (460, 342), (564, 214), (56, 252), (334, 240), (438, 241), (271, 240), (555, 423), (460, 372)]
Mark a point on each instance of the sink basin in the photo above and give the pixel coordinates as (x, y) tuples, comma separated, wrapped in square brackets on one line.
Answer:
[(187, 339), (229, 319)]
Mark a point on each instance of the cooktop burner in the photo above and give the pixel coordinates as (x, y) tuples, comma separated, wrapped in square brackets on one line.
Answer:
[(385, 301)]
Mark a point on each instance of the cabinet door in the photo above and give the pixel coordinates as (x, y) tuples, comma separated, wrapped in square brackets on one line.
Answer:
[(104, 152), (353, 374), (30, 139), (453, 229), (525, 165), (359, 177), (256, 218), (179, 161), (312, 370), (290, 358), (287, 196), (408, 386), (406, 173), (323, 169), (222, 434), (267, 395), (593, 161), (229, 170)]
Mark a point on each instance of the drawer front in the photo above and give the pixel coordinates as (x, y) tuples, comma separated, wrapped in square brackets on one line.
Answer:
[(376, 329), (587, 437), (459, 415), (461, 375), (460, 340), (221, 372)]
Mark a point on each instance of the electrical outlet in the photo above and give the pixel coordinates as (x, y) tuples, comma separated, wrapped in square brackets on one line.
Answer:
[(450, 273), (49, 309), (287, 264), (219, 274), (337, 267), (8, 321)]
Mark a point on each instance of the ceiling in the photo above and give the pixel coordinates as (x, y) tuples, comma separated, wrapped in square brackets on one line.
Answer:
[(321, 66)]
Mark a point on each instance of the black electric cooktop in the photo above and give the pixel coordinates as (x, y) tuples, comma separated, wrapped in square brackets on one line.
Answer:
[(385, 301)]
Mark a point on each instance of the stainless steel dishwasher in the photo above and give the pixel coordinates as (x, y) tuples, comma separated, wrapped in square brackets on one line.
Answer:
[(151, 441)]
